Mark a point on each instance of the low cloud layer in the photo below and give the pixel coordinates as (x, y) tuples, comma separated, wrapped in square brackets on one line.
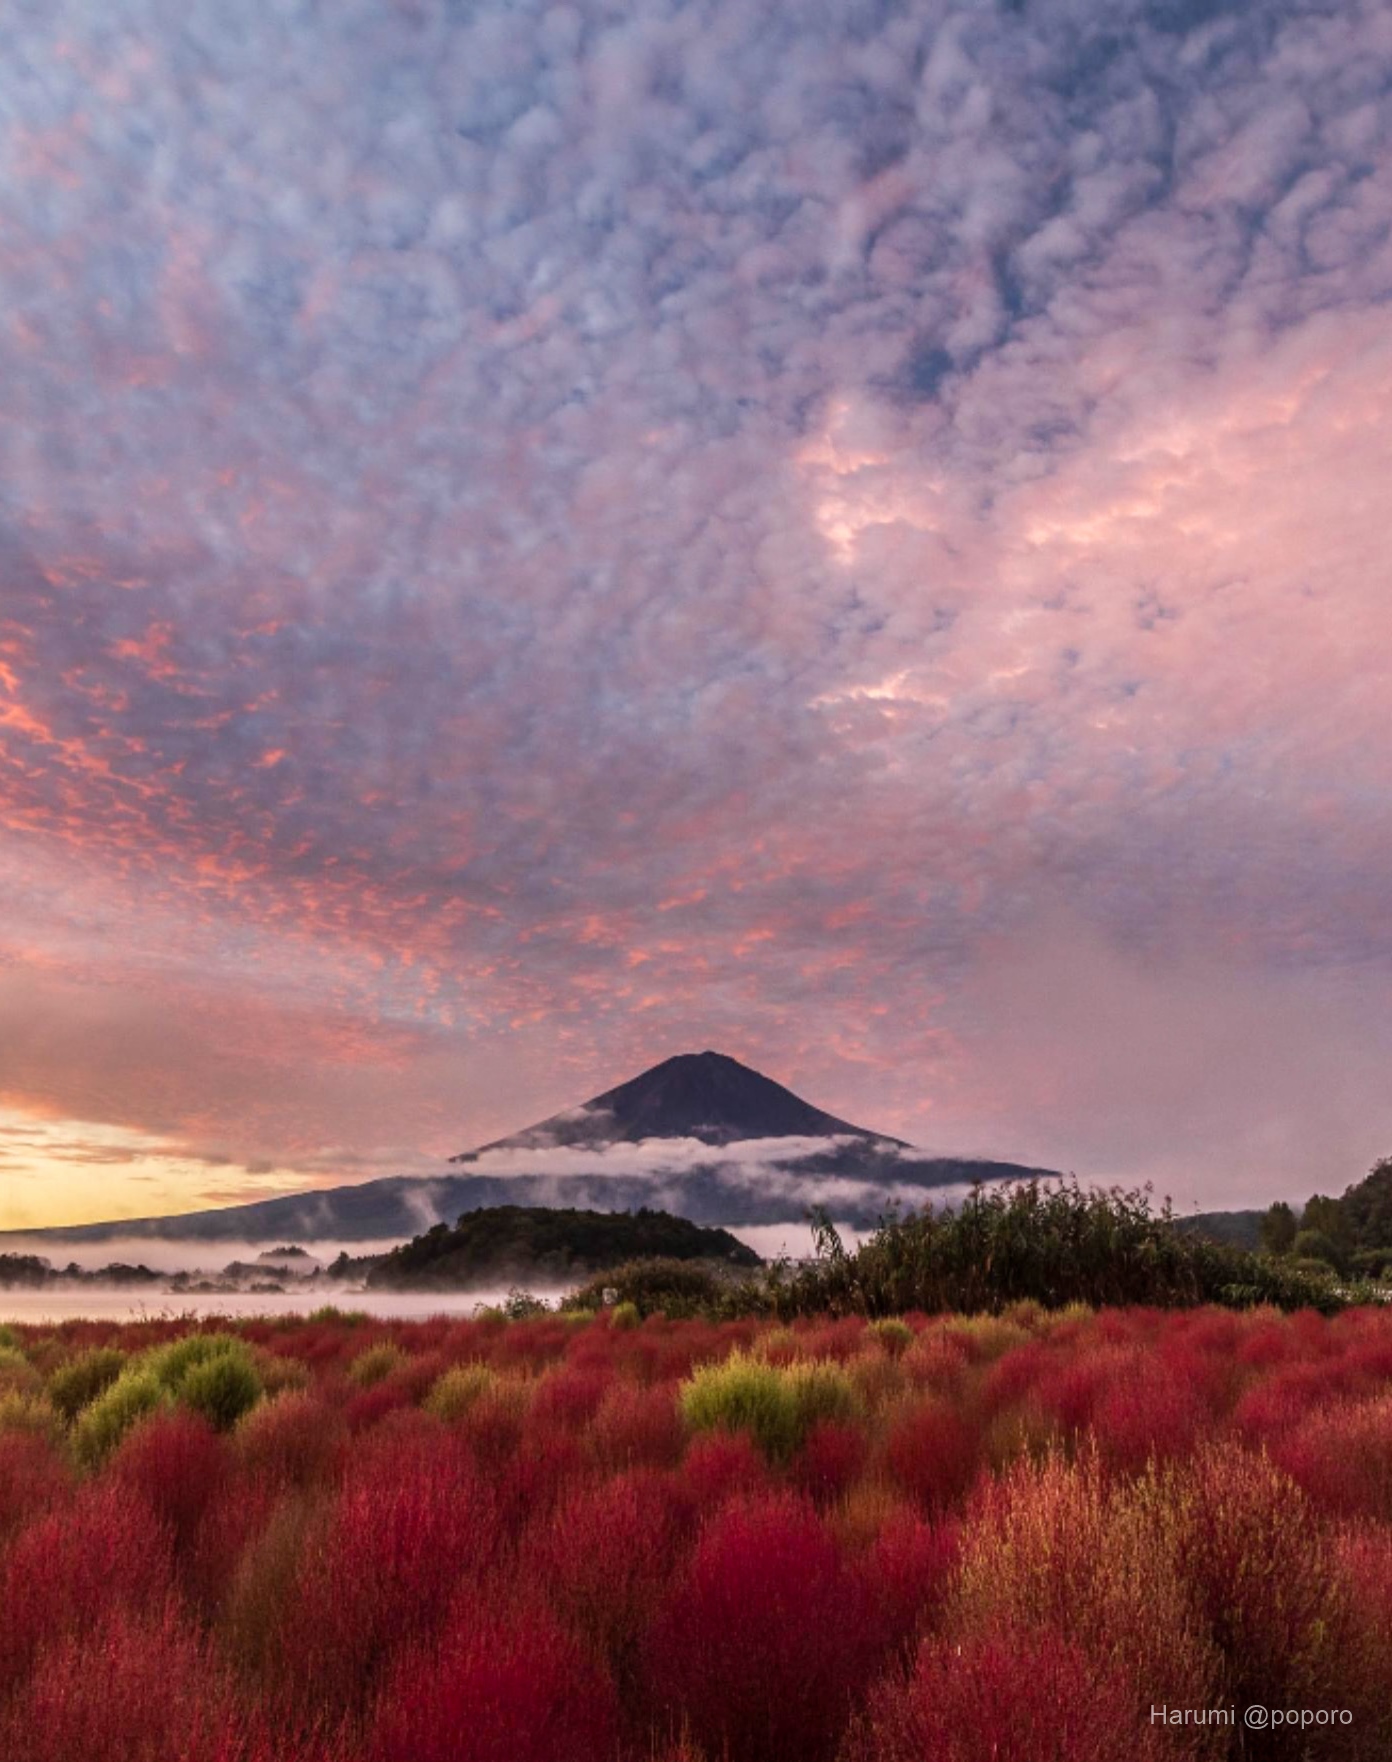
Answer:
[(534, 541)]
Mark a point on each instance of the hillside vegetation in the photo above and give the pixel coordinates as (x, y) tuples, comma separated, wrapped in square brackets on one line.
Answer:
[(545, 1245), (1051, 1243)]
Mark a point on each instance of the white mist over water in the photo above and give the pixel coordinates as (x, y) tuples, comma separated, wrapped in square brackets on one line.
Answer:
[(105, 1303)]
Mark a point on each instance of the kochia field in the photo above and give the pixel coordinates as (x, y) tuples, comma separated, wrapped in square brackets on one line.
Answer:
[(595, 1539)]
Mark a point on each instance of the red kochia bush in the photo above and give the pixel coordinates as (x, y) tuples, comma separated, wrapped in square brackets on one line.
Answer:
[(761, 1646), (723, 1465), (105, 1553), (830, 1461), (292, 1441), (140, 1685), (906, 1570), (33, 1479), (635, 1427), (1146, 1416), (502, 1687), (413, 1522), (1342, 1459), (607, 1554), (1011, 1697), (177, 1463), (931, 1453)]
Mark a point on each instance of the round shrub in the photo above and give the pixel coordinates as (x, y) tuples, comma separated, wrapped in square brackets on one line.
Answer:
[(501, 1688), (291, 1441), (172, 1363), (29, 1413), (33, 1478), (457, 1390), (777, 1406), (222, 1389), (104, 1422), (17, 1375), (376, 1364), (177, 1464), (931, 1452), (1005, 1697), (77, 1383), (894, 1335), (743, 1394), (765, 1641)]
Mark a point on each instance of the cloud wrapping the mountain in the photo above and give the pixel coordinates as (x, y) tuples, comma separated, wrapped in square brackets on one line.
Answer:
[(536, 536)]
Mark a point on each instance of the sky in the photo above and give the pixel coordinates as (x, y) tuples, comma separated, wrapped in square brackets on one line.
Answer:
[(537, 537)]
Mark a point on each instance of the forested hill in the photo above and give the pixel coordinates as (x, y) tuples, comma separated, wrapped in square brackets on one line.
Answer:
[(541, 1244)]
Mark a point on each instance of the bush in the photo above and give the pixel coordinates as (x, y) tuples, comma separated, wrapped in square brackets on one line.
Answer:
[(33, 1479), (17, 1375), (222, 1389), (892, 1333), (656, 1286), (457, 1390), (761, 1646), (776, 1406), (141, 1686), (931, 1452), (411, 1528), (1047, 1243), (293, 1440), (29, 1413), (376, 1364), (1054, 1547), (1006, 1696), (104, 1422), (1316, 1246), (103, 1552), (176, 1462), (501, 1688), (77, 1383), (819, 1391), (607, 1555), (744, 1394)]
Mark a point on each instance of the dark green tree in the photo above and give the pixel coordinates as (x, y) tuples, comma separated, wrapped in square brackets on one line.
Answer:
[(1367, 1208), (1316, 1245), (1325, 1215), (1278, 1228)]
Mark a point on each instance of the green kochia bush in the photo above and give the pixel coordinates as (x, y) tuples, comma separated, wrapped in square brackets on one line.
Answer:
[(78, 1382), (214, 1374), (454, 1393), (376, 1364), (102, 1424), (776, 1406), (17, 1375), (222, 1389)]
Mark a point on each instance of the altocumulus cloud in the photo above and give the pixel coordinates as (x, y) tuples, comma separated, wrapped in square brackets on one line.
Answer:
[(532, 537)]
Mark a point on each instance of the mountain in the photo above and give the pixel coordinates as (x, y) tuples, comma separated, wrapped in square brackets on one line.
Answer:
[(700, 1095), (700, 1135)]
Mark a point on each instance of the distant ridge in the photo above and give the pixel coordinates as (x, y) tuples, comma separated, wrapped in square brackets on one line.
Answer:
[(700, 1135)]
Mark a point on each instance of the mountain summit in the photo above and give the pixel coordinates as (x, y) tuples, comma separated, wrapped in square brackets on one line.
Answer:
[(696, 1095)]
